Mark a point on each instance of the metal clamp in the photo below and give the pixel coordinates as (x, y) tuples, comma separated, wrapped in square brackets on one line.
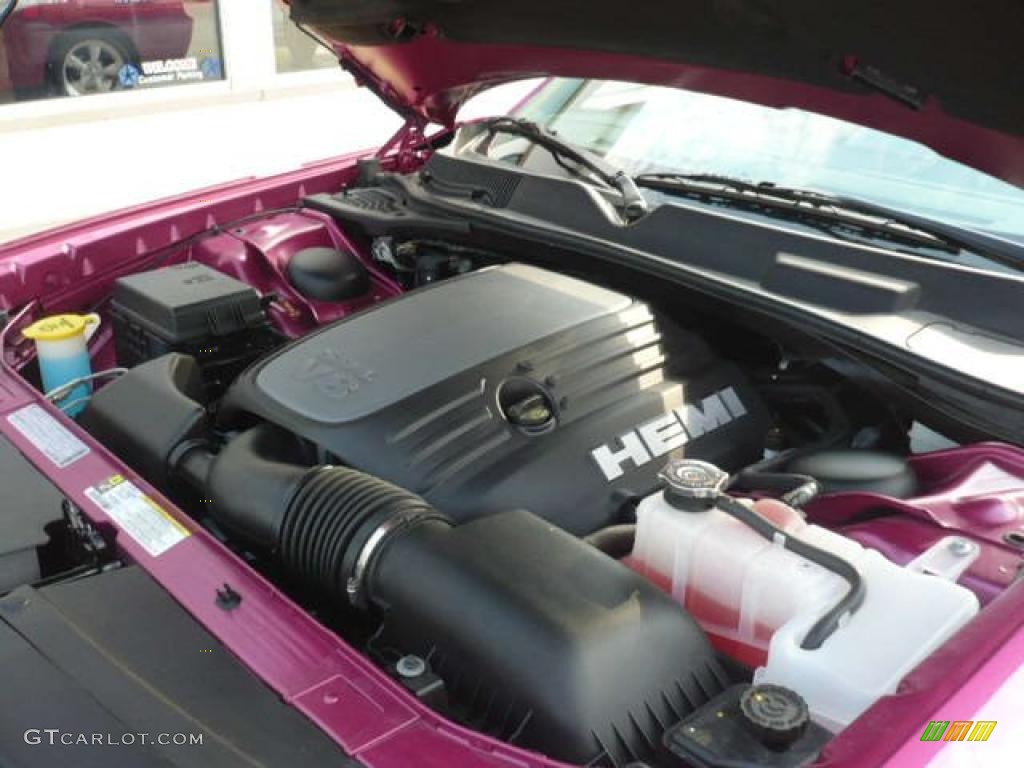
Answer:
[(354, 585)]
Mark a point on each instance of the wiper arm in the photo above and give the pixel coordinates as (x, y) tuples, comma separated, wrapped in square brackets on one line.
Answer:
[(810, 206), (634, 206)]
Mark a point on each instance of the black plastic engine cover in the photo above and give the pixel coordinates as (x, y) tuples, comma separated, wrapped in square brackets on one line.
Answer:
[(509, 387)]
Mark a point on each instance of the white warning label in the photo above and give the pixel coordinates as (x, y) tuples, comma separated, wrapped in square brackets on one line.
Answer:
[(48, 435), (138, 515)]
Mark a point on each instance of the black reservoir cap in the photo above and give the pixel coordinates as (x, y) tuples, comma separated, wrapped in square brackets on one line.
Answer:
[(777, 716), (762, 726), (692, 485)]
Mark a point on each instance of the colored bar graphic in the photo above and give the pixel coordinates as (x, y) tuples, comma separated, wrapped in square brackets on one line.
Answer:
[(958, 730), (982, 730), (935, 730)]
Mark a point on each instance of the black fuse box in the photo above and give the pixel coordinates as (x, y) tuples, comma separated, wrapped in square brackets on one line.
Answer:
[(195, 310)]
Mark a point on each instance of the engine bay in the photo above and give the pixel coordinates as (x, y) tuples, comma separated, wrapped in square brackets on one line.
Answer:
[(590, 516)]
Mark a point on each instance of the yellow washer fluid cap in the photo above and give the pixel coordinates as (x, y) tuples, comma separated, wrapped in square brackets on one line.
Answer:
[(63, 354), (60, 327)]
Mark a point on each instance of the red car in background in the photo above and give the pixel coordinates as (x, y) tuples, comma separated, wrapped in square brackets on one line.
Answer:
[(76, 47)]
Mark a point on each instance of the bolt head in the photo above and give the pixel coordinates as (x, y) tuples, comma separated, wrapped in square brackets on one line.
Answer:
[(961, 547), (411, 666)]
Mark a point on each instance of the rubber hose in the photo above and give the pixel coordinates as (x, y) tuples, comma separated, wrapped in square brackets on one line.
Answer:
[(848, 604), (615, 540), (329, 522), (793, 489)]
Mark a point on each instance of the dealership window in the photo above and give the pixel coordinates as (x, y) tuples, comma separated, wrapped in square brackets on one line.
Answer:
[(78, 48), (294, 50)]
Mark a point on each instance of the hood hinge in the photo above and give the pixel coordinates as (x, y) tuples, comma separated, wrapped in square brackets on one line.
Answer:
[(409, 146)]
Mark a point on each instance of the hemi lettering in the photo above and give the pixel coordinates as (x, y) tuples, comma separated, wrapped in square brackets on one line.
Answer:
[(662, 435), (659, 436), (709, 415), (733, 403), (611, 462)]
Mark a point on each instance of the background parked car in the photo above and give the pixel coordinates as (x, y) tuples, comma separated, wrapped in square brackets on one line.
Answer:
[(80, 46)]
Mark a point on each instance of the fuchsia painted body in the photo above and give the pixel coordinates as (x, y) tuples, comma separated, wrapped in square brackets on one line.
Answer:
[(258, 254), (975, 490)]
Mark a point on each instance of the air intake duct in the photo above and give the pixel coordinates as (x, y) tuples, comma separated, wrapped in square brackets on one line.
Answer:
[(337, 522), (316, 520), (541, 639)]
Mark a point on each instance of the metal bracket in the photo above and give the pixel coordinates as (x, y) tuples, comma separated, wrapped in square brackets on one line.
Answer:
[(947, 558)]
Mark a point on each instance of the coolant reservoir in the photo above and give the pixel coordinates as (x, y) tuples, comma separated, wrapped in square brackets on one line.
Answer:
[(757, 601)]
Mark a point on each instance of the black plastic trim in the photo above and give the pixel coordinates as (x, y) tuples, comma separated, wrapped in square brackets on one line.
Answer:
[(724, 256)]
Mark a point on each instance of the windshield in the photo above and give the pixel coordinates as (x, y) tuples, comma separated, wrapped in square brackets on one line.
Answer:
[(654, 129)]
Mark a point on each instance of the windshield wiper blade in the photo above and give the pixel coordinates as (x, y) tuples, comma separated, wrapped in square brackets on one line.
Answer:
[(810, 206), (960, 238), (634, 206), (799, 205)]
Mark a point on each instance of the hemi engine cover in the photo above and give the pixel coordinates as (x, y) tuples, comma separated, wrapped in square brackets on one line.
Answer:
[(509, 387)]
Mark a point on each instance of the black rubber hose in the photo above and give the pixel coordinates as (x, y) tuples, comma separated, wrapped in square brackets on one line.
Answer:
[(317, 521), (330, 521), (615, 540), (250, 482), (793, 489), (848, 604)]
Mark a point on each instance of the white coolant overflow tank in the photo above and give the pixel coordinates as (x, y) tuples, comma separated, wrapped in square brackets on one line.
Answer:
[(758, 600)]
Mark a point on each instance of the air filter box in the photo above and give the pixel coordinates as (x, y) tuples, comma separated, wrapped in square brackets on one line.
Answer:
[(542, 640)]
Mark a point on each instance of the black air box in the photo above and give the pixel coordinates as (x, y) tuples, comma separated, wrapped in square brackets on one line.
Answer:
[(194, 310), (541, 639)]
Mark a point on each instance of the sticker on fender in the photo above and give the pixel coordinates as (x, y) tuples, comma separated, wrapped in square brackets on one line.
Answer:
[(138, 515), (48, 435)]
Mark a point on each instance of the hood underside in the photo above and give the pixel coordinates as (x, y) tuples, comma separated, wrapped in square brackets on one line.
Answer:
[(942, 73)]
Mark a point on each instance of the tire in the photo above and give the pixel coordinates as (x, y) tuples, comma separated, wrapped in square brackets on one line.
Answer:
[(31, 94), (85, 61)]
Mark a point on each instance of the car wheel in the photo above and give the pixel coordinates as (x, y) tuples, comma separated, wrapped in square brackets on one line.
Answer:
[(88, 61), (31, 94)]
